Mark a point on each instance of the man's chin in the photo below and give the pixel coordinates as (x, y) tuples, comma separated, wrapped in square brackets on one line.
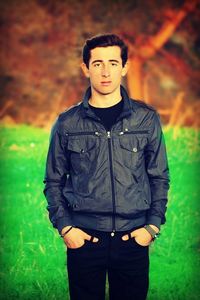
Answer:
[(104, 91)]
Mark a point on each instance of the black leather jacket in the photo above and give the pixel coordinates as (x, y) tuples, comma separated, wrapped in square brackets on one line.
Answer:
[(103, 180)]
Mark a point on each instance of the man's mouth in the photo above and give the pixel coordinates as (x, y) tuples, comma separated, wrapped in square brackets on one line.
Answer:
[(105, 83)]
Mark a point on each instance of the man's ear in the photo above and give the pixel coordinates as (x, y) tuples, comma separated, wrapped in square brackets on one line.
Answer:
[(125, 69), (85, 70)]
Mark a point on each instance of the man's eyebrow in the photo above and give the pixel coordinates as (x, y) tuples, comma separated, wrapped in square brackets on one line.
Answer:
[(100, 60), (97, 60), (114, 60)]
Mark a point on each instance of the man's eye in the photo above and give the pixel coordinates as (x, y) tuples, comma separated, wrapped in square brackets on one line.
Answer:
[(114, 64), (97, 65)]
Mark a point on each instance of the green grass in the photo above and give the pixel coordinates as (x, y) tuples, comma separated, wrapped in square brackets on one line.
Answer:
[(33, 258)]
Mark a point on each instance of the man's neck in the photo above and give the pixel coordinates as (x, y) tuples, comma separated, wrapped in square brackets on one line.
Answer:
[(102, 101)]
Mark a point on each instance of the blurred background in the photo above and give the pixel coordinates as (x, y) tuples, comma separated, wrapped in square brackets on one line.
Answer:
[(41, 48), (40, 76)]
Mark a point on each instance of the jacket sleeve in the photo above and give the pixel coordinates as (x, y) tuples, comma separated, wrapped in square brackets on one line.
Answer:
[(57, 169), (158, 173)]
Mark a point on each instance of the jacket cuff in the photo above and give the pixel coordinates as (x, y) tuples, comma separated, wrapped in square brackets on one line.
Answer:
[(154, 220), (62, 222)]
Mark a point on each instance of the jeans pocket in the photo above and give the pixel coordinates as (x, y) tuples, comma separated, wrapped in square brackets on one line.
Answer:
[(78, 248)]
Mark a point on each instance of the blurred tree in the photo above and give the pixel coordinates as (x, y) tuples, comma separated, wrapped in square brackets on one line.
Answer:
[(146, 47)]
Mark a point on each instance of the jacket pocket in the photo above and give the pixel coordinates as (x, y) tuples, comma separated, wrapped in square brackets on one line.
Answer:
[(82, 152), (132, 150)]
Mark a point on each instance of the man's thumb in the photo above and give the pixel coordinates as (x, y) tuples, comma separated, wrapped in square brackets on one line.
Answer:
[(125, 237), (94, 239)]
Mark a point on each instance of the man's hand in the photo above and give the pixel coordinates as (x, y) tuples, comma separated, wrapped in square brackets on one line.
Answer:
[(76, 237), (141, 236)]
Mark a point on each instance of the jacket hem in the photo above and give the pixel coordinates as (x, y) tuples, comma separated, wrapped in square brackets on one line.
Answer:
[(104, 223)]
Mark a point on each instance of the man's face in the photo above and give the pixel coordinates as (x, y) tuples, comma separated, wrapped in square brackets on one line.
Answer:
[(105, 69)]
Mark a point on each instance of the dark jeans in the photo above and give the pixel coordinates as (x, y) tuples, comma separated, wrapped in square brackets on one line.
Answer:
[(125, 262)]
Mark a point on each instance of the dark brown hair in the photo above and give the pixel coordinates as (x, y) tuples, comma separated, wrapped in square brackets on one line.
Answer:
[(104, 40)]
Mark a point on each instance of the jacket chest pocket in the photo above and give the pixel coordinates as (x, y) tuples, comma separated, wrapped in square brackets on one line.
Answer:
[(83, 151), (132, 150)]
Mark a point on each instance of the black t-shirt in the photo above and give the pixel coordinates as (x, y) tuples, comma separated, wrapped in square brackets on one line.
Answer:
[(108, 115)]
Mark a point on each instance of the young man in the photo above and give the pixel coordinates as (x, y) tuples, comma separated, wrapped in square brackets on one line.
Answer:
[(106, 180)]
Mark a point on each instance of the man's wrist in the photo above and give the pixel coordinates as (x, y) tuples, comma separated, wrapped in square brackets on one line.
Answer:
[(65, 230), (152, 230), (155, 228)]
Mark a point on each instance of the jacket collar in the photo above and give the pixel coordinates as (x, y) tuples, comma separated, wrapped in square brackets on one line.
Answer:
[(87, 112)]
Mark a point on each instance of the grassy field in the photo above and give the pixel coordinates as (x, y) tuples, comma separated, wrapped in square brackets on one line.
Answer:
[(33, 258)]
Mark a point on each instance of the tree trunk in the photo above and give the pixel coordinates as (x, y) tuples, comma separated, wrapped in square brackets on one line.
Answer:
[(135, 78)]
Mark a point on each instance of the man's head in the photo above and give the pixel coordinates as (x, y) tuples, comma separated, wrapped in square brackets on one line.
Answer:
[(104, 40), (105, 63)]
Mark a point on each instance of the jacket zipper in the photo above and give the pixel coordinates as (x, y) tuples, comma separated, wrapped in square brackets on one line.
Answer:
[(133, 132), (83, 133), (112, 182)]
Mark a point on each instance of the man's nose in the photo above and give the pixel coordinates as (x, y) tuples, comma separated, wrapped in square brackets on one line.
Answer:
[(105, 71)]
